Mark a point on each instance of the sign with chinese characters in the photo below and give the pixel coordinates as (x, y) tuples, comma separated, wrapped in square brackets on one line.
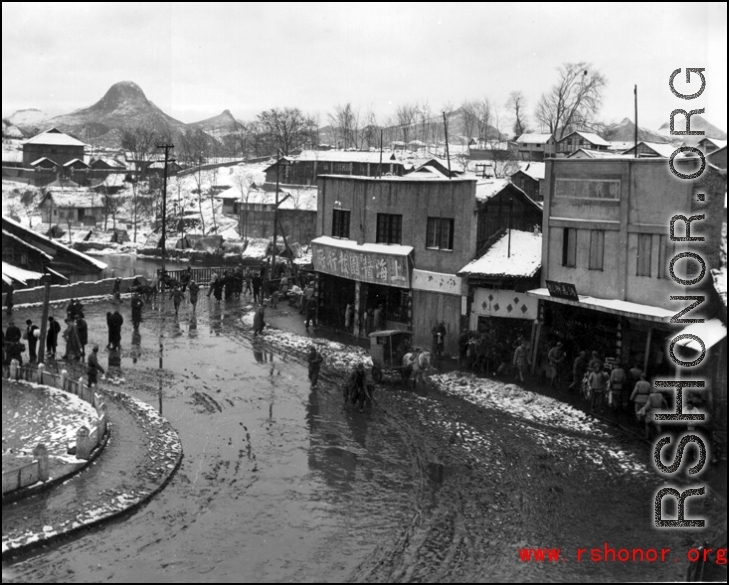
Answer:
[(364, 266), (437, 282), (562, 290), (605, 189)]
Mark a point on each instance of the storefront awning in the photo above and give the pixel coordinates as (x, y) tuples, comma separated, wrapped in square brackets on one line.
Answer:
[(614, 307), (383, 264), (711, 332)]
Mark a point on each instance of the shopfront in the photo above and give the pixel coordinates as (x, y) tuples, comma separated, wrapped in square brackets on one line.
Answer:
[(366, 276)]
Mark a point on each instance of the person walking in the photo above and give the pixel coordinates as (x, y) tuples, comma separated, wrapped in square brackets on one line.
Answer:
[(194, 289), (177, 296), (598, 381), (186, 278), (137, 306), (556, 357), (348, 317), (13, 345), (315, 360), (73, 343), (213, 282), (439, 333), (10, 299), (656, 402), (115, 326), (54, 330), (258, 322), (639, 396), (579, 369), (31, 333), (94, 367), (618, 382), (257, 282), (117, 290), (308, 294), (311, 309), (83, 333), (521, 360)]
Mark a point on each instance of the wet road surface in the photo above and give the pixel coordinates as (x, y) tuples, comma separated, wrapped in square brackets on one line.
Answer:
[(283, 483)]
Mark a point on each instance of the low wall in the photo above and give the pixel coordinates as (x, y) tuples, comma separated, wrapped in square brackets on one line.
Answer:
[(65, 292), (86, 439)]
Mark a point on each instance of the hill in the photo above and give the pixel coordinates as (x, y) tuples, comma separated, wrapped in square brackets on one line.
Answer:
[(218, 126), (698, 122), (625, 132)]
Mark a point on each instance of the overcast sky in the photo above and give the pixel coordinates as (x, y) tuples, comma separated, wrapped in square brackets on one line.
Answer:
[(196, 59)]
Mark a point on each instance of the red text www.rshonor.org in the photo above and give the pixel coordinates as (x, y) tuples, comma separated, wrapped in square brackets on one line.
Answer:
[(609, 554)]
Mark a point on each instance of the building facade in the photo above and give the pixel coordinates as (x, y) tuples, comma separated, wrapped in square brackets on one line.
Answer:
[(54, 145)]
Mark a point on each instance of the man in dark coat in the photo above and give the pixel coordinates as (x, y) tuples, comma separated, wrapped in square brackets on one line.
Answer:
[(257, 282), (315, 360), (194, 292), (137, 306), (32, 332), (311, 308), (54, 329), (115, 322), (13, 337), (258, 322), (9, 301), (117, 290), (94, 367), (186, 278), (83, 333)]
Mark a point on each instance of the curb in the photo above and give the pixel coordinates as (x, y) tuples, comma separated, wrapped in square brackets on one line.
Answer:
[(120, 507)]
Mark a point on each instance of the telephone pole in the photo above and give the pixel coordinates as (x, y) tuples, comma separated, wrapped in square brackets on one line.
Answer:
[(167, 148)]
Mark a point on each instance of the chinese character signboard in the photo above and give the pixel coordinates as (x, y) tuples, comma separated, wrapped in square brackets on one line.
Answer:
[(562, 290), (365, 266)]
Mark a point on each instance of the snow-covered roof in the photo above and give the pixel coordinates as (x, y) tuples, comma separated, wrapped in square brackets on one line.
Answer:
[(533, 138), (344, 156), (12, 156), (7, 234), (710, 332), (591, 137), (54, 137), (113, 163), (391, 249), (41, 160), (524, 261), (76, 199), (21, 275), (74, 161), (589, 153), (661, 149), (55, 244), (301, 198), (534, 169), (715, 141), (486, 189), (612, 306), (620, 145)]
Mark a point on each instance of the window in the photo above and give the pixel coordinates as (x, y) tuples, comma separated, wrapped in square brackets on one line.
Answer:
[(343, 168), (569, 247), (666, 251), (340, 223), (440, 233), (597, 249), (645, 245), (389, 228)]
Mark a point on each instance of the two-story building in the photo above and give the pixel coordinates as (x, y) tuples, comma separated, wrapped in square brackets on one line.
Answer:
[(535, 147), (606, 282), (576, 140), (397, 242), (530, 178), (53, 145)]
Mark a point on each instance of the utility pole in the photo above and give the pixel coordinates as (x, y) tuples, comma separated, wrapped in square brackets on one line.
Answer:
[(448, 150), (167, 148), (379, 169), (275, 219), (635, 136), (511, 213)]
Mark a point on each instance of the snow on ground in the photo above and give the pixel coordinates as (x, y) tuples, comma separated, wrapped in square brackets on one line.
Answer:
[(35, 414)]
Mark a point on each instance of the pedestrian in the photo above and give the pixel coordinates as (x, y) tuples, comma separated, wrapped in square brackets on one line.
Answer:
[(83, 333), (71, 309), (258, 321), (219, 287), (194, 289), (54, 330), (315, 360), (640, 395), (348, 316), (177, 296), (308, 294), (115, 322), (9, 299), (598, 381), (94, 367), (439, 333), (211, 286), (579, 369), (13, 346), (249, 284), (117, 290), (656, 402), (137, 306), (186, 278), (463, 344), (595, 361), (311, 309), (256, 281), (521, 360), (229, 285), (379, 318), (32, 333), (556, 358), (283, 288), (618, 383), (73, 343), (274, 299)]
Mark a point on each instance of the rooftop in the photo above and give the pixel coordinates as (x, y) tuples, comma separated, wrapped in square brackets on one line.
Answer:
[(533, 138), (76, 199), (522, 260), (14, 274), (54, 137), (591, 137), (534, 169), (661, 149), (344, 156)]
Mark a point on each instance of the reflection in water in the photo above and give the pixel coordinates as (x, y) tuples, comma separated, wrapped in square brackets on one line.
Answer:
[(176, 329), (136, 345), (192, 327)]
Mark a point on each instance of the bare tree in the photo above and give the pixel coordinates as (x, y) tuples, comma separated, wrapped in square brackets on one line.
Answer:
[(243, 180), (573, 101), (483, 112), (469, 118), (140, 142), (285, 130), (345, 120), (29, 200), (371, 131), (425, 119), (406, 115), (111, 204), (517, 104)]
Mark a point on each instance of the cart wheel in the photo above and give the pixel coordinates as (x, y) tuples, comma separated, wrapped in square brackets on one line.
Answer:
[(376, 374)]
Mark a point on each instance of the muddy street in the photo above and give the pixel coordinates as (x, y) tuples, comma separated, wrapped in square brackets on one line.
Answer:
[(282, 483)]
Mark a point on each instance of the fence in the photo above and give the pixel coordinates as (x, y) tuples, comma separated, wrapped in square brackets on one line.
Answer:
[(65, 292), (86, 439)]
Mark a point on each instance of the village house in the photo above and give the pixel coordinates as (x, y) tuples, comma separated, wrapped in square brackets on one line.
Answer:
[(529, 178), (53, 145), (578, 139), (75, 207), (708, 145), (535, 147), (304, 168), (718, 158), (25, 249), (396, 242), (651, 149), (606, 251)]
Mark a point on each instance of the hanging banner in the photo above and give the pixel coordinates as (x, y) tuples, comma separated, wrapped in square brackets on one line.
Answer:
[(362, 265)]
